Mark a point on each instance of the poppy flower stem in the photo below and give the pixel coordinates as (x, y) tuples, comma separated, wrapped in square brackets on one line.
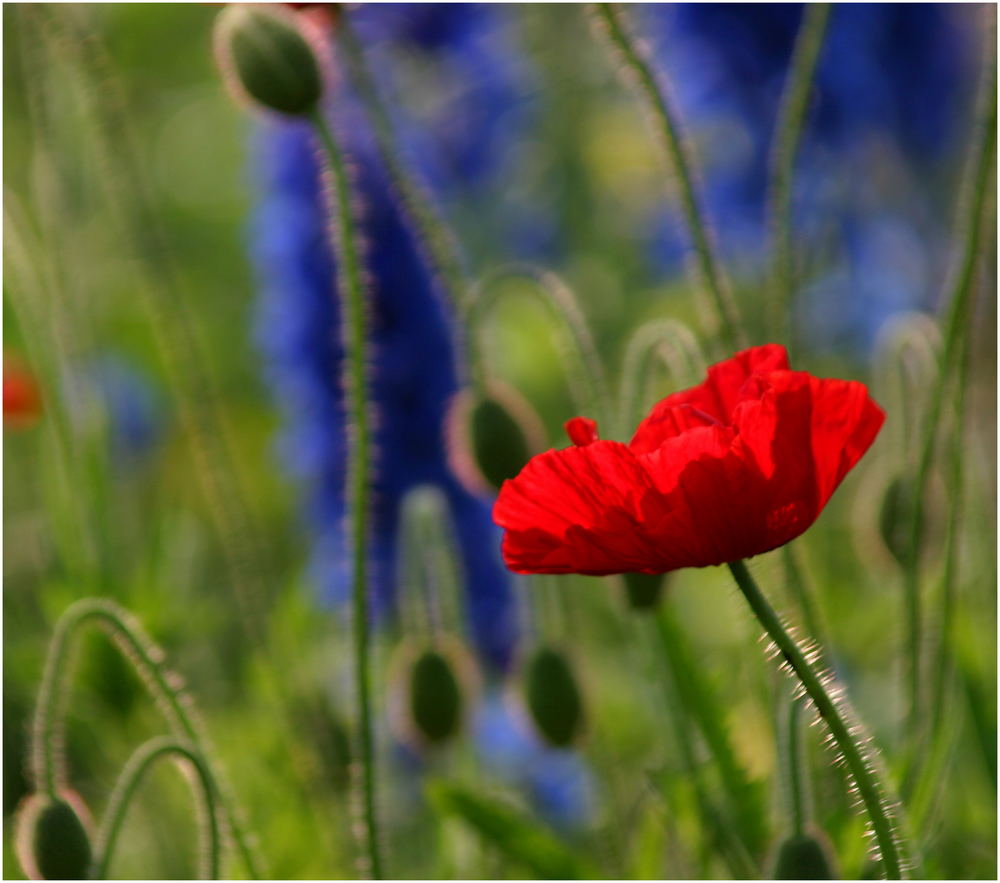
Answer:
[(436, 237), (648, 82), (971, 215), (47, 756), (203, 787), (351, 290), (787, 136), (847, 734)]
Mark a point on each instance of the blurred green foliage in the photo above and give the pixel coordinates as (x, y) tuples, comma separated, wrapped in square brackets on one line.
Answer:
[(77, 523)]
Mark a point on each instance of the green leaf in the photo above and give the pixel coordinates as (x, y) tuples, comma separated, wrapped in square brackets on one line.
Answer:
[(518, 836)]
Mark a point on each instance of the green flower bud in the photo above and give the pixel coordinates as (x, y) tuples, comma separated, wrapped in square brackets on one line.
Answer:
[(644, 590), (804, 857), (553, 697), (894, 518), (435, 698), (51, 839), (491, 437), (265, 57), (432, 689)]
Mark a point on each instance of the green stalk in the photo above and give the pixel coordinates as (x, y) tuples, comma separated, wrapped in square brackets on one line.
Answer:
[(846, 733), (46, 754), (788, 136), (956, 326), (798, 788), (616, 30), (351, 288), (125, 789), (799, 589), (713, 817), (699, 700)]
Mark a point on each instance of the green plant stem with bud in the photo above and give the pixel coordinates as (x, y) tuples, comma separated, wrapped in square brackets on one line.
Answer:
[(128, 784), (351, 288), (846, 735), (612, 19), (956, 327), (47, 757), (788, 135)]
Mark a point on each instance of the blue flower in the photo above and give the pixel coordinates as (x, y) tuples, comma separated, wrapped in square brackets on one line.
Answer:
[(557, 781), (412, 379), (890, 107)]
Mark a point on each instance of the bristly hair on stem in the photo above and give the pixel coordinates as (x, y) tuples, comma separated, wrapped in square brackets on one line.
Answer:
[(614, 28), (350, 286), (853, 746), (46, 749), (203, 788)]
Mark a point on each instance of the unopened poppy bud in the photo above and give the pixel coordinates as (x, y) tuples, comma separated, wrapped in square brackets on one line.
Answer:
[(264, 55), (894, 518), (432, 689), (803, 857), (644, 590), (492, 436), (51, 837), (553, 697)]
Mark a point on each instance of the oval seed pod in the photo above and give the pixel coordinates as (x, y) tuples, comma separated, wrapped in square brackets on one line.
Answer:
[(804, 856), (51, 839), (265, 57), (644, 590), (492, 436), (553, 697)]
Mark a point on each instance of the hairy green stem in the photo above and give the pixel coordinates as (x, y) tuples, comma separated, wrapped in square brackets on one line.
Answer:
[(46, 750), (351, 289), (126, 787), (956, 326), (788, 136), (438, 241), (847, 735), (616, 29), (588, 382)]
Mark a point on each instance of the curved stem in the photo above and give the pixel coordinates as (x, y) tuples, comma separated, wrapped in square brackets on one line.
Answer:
[(350, 287), (956, 326), (788, 135), (589, 382), (846, 733), (47, 757), (675, 343), (125, 789), (668, 134)]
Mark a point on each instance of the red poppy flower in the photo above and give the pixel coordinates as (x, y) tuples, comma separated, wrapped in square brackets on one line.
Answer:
[(21, 401), (734, 467)]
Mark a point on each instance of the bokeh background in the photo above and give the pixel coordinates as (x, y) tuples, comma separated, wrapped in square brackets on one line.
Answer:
[(181, 456)]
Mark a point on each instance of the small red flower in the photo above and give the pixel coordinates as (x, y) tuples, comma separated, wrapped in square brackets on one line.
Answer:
[(734, 467), (21, 400)]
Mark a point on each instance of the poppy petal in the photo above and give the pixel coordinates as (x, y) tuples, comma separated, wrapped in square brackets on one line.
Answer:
[(805, 434), (579, 510), (716, 397)]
